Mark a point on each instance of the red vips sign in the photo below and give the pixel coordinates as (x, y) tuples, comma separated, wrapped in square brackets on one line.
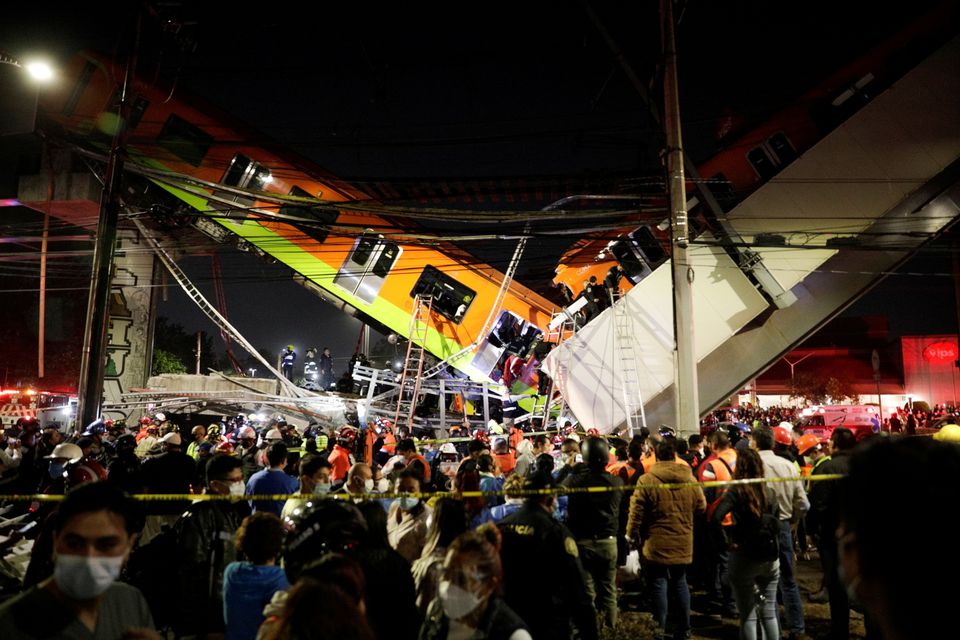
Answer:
[(941, 352)]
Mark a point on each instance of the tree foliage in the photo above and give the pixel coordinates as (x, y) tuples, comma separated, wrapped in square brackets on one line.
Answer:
[(174, 339), (166, 362), (815, 388)]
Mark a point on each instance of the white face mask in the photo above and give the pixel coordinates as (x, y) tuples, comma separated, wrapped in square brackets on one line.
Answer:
[(383, 485), (321, 488), (456, 601), (368, 485), (237, 488), (409, 503), (86, 577)]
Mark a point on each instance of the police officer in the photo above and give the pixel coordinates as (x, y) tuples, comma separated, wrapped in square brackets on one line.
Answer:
[(594, 519), (287, 359), (551, 594)]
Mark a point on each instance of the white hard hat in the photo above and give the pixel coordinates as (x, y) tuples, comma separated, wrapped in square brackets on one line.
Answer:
[(66, 451), (159, 417), (448, 447), (786, 425), (274, 434), (246, 432), (172, 438)]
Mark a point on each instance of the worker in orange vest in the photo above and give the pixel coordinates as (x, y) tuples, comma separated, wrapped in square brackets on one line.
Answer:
[(341, 458), (719, 465), (413, 460), (503, 456)]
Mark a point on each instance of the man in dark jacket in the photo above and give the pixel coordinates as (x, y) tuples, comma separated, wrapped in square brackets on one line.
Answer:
[(823, 520), (171, 472), (593, 519), (205, 532), (542, 575)]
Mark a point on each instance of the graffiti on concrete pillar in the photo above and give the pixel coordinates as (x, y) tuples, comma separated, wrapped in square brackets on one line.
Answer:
[(130, 307)]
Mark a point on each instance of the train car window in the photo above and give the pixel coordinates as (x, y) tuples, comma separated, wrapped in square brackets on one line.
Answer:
[(235, 172), (781, 147), (448, 294), (633, 267), (650, 247), (364, 250), (184, 140), (762, 163), (83, 80), (388, 256), (323, 216)]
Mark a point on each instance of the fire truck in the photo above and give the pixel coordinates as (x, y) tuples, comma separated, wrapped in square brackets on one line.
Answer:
[(50, 409)]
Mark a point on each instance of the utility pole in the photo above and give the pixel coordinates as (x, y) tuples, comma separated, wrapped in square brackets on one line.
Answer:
[(198, 352), (93, 357), (686, 392)]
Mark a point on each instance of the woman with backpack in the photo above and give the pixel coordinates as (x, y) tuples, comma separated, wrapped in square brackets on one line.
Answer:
[(753, 546)]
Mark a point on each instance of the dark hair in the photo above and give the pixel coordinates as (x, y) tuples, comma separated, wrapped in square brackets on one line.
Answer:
[(406, 444), (694, 440), (340, 570), (843, 439), (540, 440), (682, 446), (635, 448), (98, 496), (866, 495), (666, 450), (310, 464), (720, 439), (317, 610), (485, 463), (476, 446), (220, 466), (276, 453), (448, 521), (260, 537), (763, 438), (376, 519), (543, 464), (749, 465)]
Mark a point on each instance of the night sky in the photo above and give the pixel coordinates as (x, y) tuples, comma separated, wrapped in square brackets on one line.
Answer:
[(491, 89)]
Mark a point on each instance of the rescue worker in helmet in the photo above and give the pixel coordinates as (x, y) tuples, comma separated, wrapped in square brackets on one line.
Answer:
[(288, 358)]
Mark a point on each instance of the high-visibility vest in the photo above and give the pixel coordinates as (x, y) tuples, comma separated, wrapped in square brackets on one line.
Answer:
[(651, 459), (721, 473), (506, 461), (426, 467), (389, 443), (368, 445)]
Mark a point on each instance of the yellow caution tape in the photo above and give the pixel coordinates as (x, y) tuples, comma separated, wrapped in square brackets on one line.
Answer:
[(561, 490)]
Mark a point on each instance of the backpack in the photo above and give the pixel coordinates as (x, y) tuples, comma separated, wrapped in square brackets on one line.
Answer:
[(761, 540)]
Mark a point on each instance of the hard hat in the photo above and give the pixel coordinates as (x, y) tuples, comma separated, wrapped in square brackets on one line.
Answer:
[(66, 451), (290, 347), (273, 434), (87, 471), (95, 428), (782, 435), (225, 447), (346, 434), (667, 431), (126, 440), (145, 420), (948, 433), (786, 425), (246, 432), (448, 447), (806, 442), (213, 431), (173, 439)]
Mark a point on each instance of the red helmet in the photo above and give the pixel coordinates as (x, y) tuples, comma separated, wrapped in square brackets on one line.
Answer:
[(145, 420), (593, 433), (481, 435), (346, 434), (224, 447), (782, 435), (85, 471)]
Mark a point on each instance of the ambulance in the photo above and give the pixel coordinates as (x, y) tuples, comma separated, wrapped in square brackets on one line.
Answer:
[(821, 420)]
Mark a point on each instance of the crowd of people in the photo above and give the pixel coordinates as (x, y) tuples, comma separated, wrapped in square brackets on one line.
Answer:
[(259, 529)]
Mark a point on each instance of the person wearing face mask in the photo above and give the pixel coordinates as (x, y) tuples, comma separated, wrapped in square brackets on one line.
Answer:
[(407, 518), (359, 481), (315, 482), (468, 603), (247, 452), (94, 532), (205, 534)]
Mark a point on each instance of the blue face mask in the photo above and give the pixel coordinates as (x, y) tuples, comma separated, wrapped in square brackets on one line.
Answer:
[(408, 504), (56, 470)]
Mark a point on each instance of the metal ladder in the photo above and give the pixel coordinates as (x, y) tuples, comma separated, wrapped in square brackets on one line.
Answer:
[(413, 364), (624, 345), (564, 330), (211, 311)]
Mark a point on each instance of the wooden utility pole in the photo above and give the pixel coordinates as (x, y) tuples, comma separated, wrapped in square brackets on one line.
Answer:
[(685, 382)]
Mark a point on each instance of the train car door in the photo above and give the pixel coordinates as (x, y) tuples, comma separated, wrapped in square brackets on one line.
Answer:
[(367, 266)]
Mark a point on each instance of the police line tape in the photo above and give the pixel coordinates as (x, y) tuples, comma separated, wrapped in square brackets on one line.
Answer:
[(561, 490)]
